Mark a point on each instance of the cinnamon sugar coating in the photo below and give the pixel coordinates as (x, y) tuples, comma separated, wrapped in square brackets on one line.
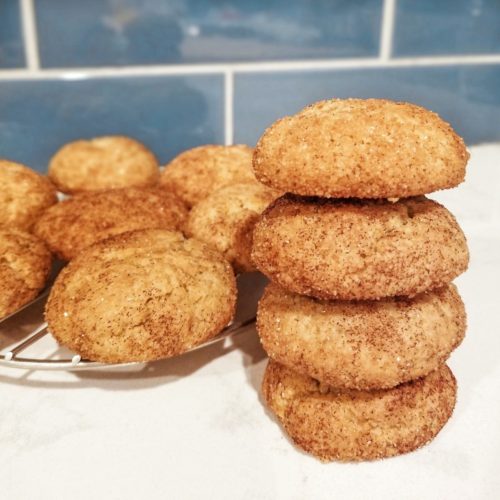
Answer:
[(361, 345), (360, 148), (80, 221), (226, 218), (107, 162), (355, 249), (25, 264), (24, 195), (197, 172), (141, 296), (346, 425)]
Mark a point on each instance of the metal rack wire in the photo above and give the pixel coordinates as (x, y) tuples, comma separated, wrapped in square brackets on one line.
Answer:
[(12, 359)]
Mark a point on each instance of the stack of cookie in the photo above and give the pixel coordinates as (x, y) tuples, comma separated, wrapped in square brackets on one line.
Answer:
[(360, 315)]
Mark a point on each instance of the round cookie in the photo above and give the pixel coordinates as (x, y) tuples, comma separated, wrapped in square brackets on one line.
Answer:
[(361, 345), (197, 172), (80, 221), (360, 148), (101, 163), (25, 265), (351, 249), (141, 296), (24, 195), (346, 425), (226, 218)]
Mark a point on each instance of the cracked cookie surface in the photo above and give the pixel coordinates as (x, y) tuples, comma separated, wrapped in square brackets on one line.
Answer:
[(360, 148), (347, 425), (84, 219), (197, 172), (24, 195), (25, 264), (362, 345), (358, 249), (106, 162), (226, 218), (141, 296)]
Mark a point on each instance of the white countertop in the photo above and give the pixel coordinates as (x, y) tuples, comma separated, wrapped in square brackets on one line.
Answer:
[(195, 427)]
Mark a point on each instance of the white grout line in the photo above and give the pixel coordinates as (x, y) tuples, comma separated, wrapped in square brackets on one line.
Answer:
[(228, 107), (264, 66), (387, 29), (30, 35)]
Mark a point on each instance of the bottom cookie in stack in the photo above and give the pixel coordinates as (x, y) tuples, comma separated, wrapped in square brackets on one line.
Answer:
[(349, 425)]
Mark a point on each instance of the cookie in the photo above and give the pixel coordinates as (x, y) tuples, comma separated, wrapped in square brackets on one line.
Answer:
[(80, 221), (25, 264), (361, 148), (24, 195), (101, 163), (346, 425), (348, 249), (226, 218), (197, 172), (361, 345), (141, 296)]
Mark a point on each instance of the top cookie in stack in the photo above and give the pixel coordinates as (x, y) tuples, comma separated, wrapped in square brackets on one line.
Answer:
[(356, 148), (373, 260)]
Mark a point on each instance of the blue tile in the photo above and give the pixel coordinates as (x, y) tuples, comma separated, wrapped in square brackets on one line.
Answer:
[(11, 41), (466, 96), (120, 32), (169, 114), (430, 27)]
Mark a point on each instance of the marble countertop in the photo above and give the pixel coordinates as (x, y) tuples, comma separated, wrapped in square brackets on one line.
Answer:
[(195, 427)]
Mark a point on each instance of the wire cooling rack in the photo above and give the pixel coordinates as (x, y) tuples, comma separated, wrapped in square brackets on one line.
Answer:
[(11, 355), (12, 359)]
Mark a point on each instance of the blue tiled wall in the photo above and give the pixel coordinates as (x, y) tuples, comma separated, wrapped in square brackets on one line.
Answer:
[(97, 33), (11, 42), (438, 27), (158, 70), (169, 113)]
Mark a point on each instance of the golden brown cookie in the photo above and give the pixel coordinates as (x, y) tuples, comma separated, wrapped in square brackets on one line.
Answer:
[(361, 345), (197, 172), (360, 148), (346, 425), (348, 249), (80, 221), (141, 296), (25, 264), (226, 218), (103, 163), (24, 195)]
